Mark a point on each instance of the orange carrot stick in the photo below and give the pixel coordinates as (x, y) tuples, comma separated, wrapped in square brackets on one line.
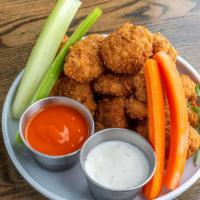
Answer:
[(178, 120), (156, 119)]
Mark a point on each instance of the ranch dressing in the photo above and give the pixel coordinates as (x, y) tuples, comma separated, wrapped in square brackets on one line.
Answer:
[(117, 165)]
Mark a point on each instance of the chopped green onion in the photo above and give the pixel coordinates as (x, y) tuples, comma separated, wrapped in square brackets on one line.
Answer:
[(197, 90), (54, 71), (197, 158), (44, 53)]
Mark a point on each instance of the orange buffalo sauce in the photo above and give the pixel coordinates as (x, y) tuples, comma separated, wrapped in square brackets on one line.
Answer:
[(56, 130)]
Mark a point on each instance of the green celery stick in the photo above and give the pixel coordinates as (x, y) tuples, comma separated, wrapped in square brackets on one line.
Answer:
[(43, 53), (54, 71)]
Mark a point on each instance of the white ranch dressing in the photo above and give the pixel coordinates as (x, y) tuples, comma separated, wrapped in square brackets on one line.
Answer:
[(117, 165)]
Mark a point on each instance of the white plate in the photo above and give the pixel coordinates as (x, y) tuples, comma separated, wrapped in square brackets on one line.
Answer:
[(71, 184)]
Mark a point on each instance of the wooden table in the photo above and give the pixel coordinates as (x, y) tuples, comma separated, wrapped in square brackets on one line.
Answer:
[(21, 22)]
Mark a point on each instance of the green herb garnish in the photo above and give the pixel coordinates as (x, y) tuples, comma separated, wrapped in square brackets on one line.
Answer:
[(196, 109), (197, 90)]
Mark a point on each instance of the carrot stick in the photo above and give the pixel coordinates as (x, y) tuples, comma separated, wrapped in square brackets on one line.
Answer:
[(156, 121), (178, 120)]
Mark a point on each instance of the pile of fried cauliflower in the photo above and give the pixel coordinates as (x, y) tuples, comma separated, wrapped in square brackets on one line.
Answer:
[(106, 75)]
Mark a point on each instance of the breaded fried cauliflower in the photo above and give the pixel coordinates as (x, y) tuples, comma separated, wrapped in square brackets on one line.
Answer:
[(115, 85), (136, 109), (189, 87), (193, 117), (193, 142), (126, 49), (79, 91), (110, 113), (161, 43), (140, 86), (167, 128), (83, 62)]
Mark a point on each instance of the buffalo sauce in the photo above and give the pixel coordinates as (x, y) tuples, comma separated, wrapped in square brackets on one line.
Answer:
[(56, 130)]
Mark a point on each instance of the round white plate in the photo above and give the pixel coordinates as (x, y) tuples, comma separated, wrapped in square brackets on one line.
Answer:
[(71, 184)]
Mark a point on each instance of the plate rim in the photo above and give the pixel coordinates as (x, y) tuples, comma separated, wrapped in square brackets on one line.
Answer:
[(50, 195), (38, 187)]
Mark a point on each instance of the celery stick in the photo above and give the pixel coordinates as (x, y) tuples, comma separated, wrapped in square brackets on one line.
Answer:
[(54, 71), (44, 53), (57, 66)]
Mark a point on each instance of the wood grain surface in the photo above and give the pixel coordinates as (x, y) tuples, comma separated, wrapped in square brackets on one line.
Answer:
[(21, 22)]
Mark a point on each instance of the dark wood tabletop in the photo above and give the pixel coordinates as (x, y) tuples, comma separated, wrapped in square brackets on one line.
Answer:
[(21, 22)]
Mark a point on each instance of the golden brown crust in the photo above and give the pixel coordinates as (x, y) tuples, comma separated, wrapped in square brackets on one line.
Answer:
[(126, 49), (161, 43), (140, 86), (81, 92), (115, 85), (83, 62), (189, 87), (110, 113), (136, 109), (193, 118), (193, 142)]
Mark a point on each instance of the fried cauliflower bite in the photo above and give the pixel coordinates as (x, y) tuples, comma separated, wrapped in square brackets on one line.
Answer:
[(79, 91), (161, 43), (115, 85), (193, 142), (126, 49), (193, 118), (83, 62), (140, 86), (189, 87), (136, 109), (110, 113)]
